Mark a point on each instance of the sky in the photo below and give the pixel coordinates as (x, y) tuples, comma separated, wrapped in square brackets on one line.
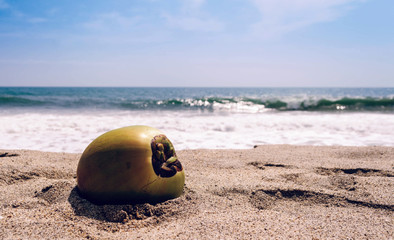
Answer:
[(197, 43)]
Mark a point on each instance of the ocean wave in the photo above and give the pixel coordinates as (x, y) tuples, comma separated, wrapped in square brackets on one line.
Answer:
[(235, 104), (351, 104), (14, 101), (210, 104)]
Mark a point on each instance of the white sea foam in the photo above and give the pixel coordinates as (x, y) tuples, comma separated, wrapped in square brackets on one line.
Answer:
[(240, 107), (72, 132)]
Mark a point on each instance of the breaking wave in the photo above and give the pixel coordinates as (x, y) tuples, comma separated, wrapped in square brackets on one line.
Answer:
[(235, 104)]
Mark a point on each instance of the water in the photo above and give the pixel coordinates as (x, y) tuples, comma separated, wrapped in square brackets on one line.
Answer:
[(68, 119)]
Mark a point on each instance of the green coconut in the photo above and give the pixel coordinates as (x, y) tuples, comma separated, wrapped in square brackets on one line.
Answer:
[(135, 164)]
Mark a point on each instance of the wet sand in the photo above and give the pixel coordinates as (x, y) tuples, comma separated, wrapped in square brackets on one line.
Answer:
[(269, 192)]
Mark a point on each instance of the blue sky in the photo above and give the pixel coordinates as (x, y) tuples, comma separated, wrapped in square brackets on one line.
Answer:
[(264, 43)]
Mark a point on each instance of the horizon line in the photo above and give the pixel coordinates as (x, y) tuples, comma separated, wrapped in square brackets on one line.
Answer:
[(48, 86)]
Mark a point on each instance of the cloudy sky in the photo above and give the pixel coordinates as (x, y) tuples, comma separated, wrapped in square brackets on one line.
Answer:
[(263, 43)]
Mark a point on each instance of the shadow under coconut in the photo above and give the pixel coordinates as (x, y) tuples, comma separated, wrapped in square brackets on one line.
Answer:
[(134, 212)]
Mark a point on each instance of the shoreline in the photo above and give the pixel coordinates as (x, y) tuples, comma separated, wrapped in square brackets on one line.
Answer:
[(268, 192)]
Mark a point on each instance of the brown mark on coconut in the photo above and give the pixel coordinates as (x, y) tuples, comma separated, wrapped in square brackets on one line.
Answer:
[(164, 160)]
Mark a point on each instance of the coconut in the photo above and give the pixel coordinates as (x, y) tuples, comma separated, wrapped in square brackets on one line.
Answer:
[(135, 164)]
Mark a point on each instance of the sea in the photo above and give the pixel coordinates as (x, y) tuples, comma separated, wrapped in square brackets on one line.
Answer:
[(67, 119)]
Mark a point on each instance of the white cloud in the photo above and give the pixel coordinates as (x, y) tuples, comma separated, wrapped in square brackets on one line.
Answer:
[(53, 11), (111, 20), (3, 4), (279, 17), (194, 23), (192, 19), (194, 3), (37, 20)]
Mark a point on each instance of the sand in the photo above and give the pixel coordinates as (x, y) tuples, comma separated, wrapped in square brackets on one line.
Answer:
[(269, 192)]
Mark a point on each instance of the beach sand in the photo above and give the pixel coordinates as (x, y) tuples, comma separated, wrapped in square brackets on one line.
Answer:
[(269, 192)]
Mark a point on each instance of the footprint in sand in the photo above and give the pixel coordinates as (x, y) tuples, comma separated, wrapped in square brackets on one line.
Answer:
[(263, 199), (363, 172)]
